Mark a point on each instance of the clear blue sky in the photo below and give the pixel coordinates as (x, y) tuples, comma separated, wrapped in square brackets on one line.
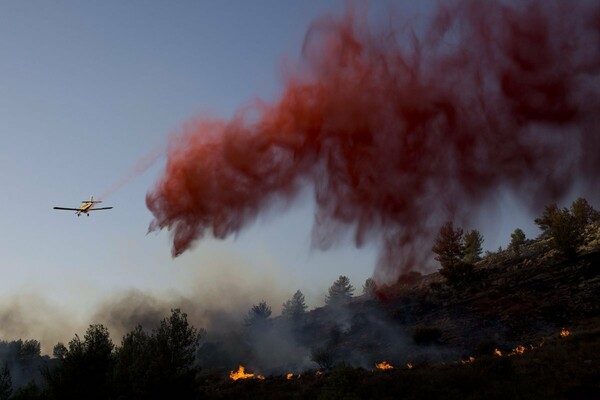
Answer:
[(87, 88)]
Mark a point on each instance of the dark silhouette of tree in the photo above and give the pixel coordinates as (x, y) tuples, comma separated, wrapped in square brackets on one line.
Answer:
[(566, 233), (30, 351), (133, 360), (449, 246), (258, 315), (450, 251), (295, 307), (584, 213), (369, 288), (59, 351), (545, 220), (86, 367), (340, 292), (5, 383), (472, 246), (31, 391), (158, 365), (174, 345), (517, 240)]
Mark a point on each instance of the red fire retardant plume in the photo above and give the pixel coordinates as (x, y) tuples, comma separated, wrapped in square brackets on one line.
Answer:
[(399, 129)]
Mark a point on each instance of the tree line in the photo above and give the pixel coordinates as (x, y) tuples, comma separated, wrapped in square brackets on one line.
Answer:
[(156, 364), (457, 252)]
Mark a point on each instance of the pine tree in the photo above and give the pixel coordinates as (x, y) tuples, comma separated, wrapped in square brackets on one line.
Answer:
[(449, 246), (545, 220), (258, 315), (450, 251), (566, 233), (517, 240), (369, 288), (295, 307), (340, 292), (472, 245), (584, 213), (566, 227)]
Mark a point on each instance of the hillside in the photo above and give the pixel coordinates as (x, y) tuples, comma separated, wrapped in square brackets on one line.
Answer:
[(522, 326)]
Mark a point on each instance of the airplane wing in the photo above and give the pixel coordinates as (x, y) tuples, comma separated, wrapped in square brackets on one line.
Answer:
[(68, 209), (99, 208)]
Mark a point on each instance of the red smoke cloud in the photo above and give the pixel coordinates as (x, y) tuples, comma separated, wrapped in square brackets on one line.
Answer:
[(399, 130)]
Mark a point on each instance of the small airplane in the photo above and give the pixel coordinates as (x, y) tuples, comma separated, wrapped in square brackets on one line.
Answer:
[(86, 207)]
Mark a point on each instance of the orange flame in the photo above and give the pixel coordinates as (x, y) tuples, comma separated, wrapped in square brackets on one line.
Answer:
[(497, 353), (564, 332), (519, 350), (240, 374), (409, 366), (384, 365), (262, 378)]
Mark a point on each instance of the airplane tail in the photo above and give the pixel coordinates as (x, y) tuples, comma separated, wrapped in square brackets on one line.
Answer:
[(91, 200)]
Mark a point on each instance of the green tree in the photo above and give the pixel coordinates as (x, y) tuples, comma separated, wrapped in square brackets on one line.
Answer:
[(566, 227), (258, 315), (450, 251), (545, 220), (584, 213), (517, 240), (566, 233), (472, 246), (369, 288), (449, 246), (295, 307), (340, 292)]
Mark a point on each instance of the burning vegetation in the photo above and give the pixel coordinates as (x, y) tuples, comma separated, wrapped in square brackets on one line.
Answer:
[(564, 332), (240, 374), (384, 365)]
